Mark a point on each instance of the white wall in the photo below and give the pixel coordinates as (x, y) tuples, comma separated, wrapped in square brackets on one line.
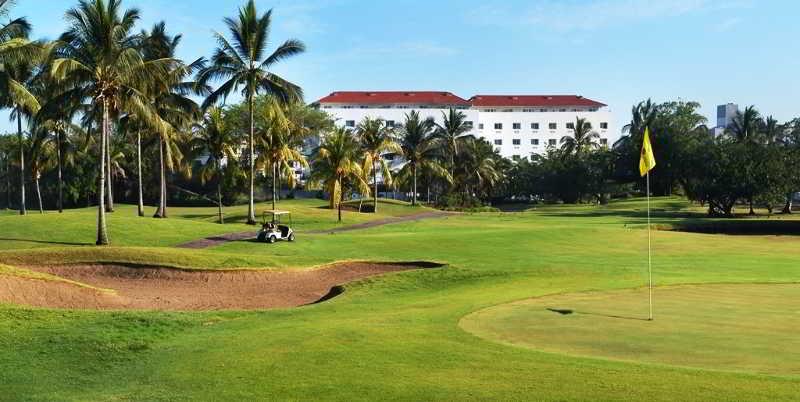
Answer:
[(507, 134)]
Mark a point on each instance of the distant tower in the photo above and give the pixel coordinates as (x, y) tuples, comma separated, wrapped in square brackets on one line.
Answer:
[(725, 115)]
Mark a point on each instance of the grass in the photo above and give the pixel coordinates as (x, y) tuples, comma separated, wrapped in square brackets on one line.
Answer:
[(750, 328), (390, 337)]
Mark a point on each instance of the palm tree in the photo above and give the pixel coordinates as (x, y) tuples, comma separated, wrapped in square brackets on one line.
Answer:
[(336, 165), (97, 59), (771, 130), (241, 63), (744, 126), (582, 139), (479, 169), (420, 150), (214, 139), (376, 139), (173, 103), (643, 115), (281, 137), (40, 151), (451, 132)]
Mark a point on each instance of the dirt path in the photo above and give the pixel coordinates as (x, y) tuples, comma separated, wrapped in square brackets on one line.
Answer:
[(143, 288), (220, 239)]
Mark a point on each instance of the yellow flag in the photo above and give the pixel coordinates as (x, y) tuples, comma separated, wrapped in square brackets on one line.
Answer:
[(647, 161)]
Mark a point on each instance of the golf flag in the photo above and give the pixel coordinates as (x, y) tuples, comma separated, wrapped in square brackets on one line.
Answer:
[(647, 161)]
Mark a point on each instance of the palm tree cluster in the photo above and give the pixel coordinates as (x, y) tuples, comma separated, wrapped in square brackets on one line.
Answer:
[(105, 94)]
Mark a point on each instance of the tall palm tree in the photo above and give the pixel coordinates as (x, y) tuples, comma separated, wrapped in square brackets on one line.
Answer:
[(97, 59), (376, 139), (336, 166), (744, 126), (583, 138), (479, 171), (280, 140), (214, 139), (40, 150), (173, 102), (771, 131), (420, 150), (451, 133), (643, 115), (242, 64)]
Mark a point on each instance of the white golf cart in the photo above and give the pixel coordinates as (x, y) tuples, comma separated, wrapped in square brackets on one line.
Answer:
[(276, 225)]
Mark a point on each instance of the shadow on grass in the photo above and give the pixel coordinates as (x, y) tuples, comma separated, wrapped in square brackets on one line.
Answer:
[(61, 243), (563, 311)]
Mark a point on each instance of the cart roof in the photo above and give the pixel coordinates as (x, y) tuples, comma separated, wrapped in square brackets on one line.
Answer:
[(273, 212)]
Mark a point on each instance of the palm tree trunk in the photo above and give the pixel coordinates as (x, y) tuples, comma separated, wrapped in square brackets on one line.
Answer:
[(750, 201), (787, 208), (109, 189), (38, 192), (251, 214), (140, 205), (22, 210), (160, 213), (414, 195), (274, 184), (375, 184), (60, 178), (102, 233), (341, 201), (8, 181), (219, 194)]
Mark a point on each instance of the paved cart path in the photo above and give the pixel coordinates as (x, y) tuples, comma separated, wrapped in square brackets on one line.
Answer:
[(212, 241)]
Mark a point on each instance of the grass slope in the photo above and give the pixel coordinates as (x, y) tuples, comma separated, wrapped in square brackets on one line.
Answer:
[(391, 337)]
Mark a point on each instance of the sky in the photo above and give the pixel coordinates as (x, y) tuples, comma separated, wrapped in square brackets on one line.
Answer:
[(618, 52)]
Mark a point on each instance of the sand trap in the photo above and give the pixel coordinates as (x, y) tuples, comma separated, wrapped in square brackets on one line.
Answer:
[(146, 288)]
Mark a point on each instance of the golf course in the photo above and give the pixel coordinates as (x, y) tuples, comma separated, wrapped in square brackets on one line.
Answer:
[(548, 303)]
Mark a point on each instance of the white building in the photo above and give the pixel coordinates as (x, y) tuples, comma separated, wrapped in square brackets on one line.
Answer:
[(518, 125)]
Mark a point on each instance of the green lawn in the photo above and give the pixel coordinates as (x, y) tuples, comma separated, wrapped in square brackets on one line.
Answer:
[(390, 337)]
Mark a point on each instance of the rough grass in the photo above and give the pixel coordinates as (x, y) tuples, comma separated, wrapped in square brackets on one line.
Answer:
[(393, 337)]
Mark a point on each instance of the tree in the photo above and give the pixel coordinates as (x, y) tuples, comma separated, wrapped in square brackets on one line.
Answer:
[(420, 150), (336, 166), (215, 140), (97, 59), (451, 133), (376, 139), (241, 64), (281, 137), (745, 126), (479, 168), (582, 140)]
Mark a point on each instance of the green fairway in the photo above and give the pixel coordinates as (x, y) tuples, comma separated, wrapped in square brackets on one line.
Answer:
[(725, 327), (398, 336)]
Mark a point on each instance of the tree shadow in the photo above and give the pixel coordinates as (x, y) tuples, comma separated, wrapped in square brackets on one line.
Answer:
[(62, 243)]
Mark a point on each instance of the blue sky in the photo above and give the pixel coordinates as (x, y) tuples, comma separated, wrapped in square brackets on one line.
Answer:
[(614, 51)]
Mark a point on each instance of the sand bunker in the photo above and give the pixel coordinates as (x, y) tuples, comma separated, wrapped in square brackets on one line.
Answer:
[(146, 288)]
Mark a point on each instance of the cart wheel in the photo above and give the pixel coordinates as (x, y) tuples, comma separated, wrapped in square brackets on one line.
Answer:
[(272, 239), (291, 237)]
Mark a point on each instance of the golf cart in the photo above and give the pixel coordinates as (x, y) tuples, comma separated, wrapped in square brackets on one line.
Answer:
[(274, 226)]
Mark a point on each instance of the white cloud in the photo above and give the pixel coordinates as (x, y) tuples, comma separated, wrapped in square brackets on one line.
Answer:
[(572, 16)]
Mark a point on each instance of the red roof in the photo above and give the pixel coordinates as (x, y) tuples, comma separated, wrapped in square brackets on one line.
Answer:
[(395, 97), (533, 100)]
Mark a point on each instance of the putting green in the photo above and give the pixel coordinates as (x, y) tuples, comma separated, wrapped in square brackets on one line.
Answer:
[(753, 327)]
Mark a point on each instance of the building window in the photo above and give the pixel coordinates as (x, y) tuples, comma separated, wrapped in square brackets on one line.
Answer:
[(480, 126), (551, 142), (490, 110), (562, 110), (516, 126), (534, 126), (363, 107), (604, 141), (508, 110), (498, 142), (588, 125), (350, 123), (498, 126), (390, 123), (542, 110), (468, 124), (516, 141), (604, 125), (553, 126), (515, 157), (570, 126), (535, 142), (527, 110)]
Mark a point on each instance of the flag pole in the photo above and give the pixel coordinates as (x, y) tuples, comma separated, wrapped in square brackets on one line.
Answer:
[(649, 251)]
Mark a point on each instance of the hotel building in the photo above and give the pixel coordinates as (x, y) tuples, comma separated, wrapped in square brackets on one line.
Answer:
[(518, 125)]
